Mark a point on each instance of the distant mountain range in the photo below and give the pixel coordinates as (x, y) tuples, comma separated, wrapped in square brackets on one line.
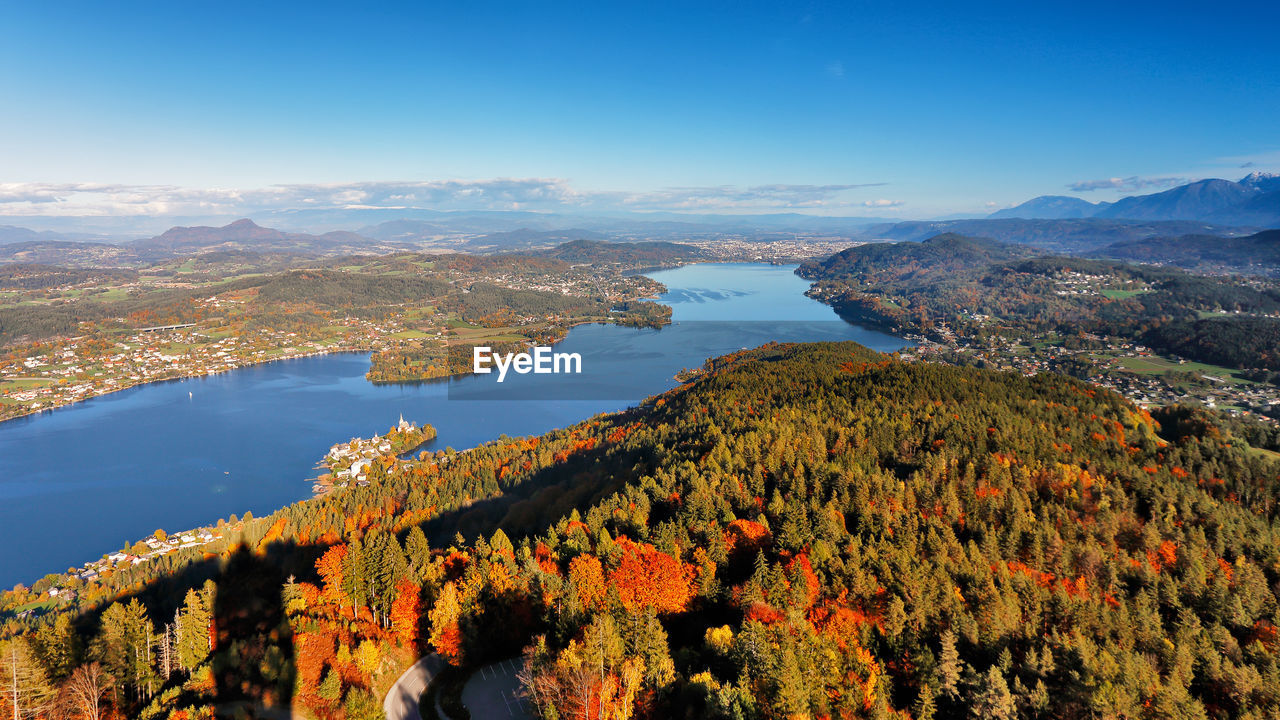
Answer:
[(1072, 236), (1252, 201), (248, 235), (10, 234), (1196, 216), (241, 236)]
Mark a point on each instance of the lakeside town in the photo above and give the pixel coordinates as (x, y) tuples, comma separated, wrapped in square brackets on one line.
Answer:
[(81, 368)]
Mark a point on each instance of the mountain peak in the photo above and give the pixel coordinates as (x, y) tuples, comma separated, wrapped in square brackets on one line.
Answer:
[(242, 224), (1264, 181), (1053, 207)]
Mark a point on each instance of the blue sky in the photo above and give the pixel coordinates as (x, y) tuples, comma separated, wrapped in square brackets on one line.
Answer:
[(886, 109)]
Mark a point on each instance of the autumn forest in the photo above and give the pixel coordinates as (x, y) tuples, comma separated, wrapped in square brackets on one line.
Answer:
[(802, 531)]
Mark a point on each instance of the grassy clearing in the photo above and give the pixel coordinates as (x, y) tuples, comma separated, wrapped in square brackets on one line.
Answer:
[(1123, 294), (1263, 452), (1156, 365), (459, 324), (23, 383), (112, 294), (177, 348), (38, 605), (420, 313)]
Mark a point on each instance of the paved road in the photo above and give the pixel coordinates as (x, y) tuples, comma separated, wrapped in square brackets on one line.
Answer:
[(401, 702), (493, 693)]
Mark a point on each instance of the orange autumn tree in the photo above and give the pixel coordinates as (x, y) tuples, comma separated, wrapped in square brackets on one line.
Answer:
[(312, 652), (649, 578), (405, 612), (329, 566), (587, 576), (446, 636)]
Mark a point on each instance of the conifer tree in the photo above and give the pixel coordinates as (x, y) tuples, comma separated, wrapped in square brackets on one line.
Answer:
[(23, 683)]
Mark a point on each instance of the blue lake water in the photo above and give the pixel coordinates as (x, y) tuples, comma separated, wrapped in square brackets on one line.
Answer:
[(84, 480)]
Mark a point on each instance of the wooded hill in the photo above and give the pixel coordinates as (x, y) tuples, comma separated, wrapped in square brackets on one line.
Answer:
[(1255, 254), (979, 286), (804, 531)]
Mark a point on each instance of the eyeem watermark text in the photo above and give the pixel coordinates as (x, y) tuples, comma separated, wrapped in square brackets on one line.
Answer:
[(540, 362)]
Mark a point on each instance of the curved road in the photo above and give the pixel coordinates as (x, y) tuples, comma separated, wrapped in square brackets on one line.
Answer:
[(401, 702), (493, 692)]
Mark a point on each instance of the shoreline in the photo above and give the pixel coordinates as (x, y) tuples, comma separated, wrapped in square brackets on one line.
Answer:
[(29, 412), (177, 378), (306, 477)]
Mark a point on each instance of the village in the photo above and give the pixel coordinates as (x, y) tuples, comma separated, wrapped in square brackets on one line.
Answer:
[(1135, 371), (348, 463), (77, 369)]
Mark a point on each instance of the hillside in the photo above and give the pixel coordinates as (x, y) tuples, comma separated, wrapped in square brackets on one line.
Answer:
[(940, 255), (1260, 210), (67, 253), (1258, 253), (247, 235), (806, 531), (1193, 201), (1071, 236), (975, 287)]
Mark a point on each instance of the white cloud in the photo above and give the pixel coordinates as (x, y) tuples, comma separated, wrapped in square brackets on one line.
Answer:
[(69, 199), (1130, 184), (729, 197), (882, 203)]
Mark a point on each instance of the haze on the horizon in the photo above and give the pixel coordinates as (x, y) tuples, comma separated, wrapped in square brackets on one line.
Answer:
[(182, 109)]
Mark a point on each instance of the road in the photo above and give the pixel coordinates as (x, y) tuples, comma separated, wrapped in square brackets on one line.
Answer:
[(401, 702), (493, 693)]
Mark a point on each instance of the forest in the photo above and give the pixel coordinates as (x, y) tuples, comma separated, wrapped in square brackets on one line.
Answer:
[(1257, 253), (803, 531)]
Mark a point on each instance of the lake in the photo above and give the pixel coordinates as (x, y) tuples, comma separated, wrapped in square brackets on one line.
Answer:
[(84, 480)]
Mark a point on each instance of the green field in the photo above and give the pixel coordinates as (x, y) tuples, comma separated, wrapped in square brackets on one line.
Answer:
[(23, 383), (112, 294), (1123, 294), (501, 334), (1156, 365), (177, 348)]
